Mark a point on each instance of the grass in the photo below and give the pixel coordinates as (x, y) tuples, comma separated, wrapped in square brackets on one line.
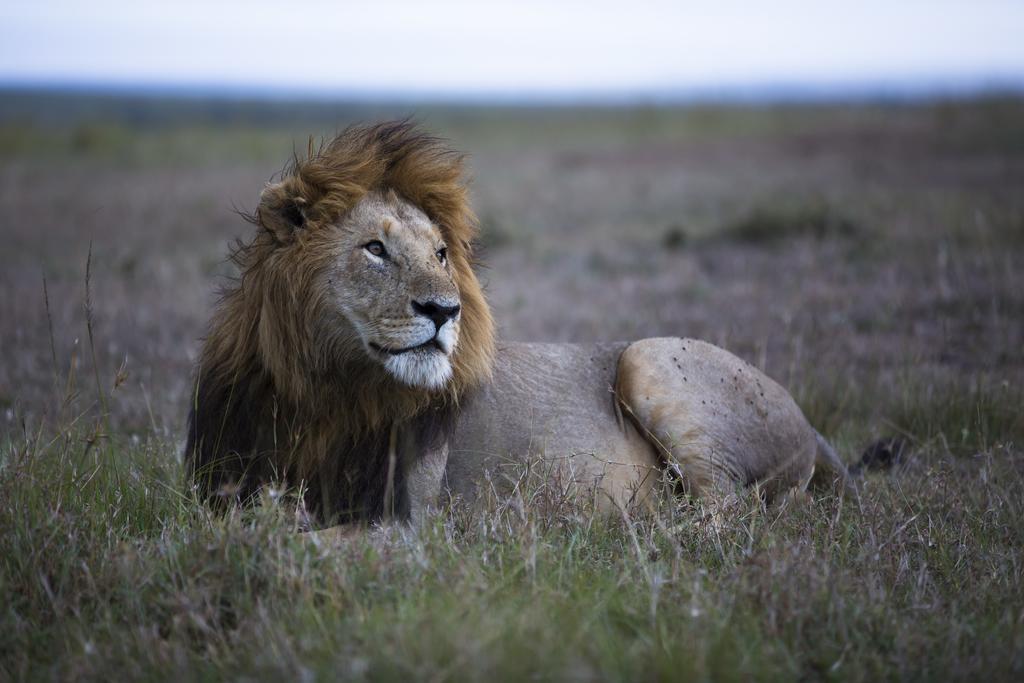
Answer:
[(952, 418), (109, 570), (776, 223), (112, 571)]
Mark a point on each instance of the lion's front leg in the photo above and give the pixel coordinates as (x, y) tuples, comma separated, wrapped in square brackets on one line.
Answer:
[(414, 488), (424, 479), (337, 534)]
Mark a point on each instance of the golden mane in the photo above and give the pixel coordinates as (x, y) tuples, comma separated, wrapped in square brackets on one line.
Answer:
[(260, 368)]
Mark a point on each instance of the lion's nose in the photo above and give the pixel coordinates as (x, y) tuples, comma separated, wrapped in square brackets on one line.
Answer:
[(437, 312)]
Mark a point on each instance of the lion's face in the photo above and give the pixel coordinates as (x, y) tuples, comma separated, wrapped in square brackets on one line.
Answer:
[(391, 281)]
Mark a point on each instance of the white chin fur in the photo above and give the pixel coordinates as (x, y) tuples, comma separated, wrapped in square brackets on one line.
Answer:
[(427, 369), (447, 337)]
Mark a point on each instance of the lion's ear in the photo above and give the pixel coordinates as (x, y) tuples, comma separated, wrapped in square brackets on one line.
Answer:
[(281, 211)]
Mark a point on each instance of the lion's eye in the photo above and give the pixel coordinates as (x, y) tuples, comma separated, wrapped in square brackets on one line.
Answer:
[(376, 247), (442, 254)]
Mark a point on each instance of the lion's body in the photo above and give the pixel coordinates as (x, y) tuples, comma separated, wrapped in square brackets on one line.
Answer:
[(354, 360), (553, 403), (684, 402)]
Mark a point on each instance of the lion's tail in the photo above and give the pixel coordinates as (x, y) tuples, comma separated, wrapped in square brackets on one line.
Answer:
[(829, 460)]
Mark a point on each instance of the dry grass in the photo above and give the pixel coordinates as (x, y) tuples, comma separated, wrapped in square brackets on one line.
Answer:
[(112, 571), (911, 324)]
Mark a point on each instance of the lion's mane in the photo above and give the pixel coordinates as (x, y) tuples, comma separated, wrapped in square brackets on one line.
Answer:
[(273, 401)]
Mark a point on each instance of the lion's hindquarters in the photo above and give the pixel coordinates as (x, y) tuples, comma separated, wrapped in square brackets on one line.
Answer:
[(719, 420)]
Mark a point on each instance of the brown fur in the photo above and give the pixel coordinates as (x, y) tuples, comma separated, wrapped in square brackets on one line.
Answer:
[(274, 397)]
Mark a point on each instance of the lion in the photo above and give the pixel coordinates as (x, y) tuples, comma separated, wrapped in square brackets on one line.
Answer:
[(354, 360)]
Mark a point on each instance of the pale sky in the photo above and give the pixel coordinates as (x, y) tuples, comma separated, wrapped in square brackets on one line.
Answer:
[(452, 47)]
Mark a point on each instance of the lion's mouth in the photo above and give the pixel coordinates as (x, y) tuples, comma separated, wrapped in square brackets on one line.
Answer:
[(431, 343)]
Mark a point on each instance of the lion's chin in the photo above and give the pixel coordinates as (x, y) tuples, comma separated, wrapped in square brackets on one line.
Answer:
[(426, 369)]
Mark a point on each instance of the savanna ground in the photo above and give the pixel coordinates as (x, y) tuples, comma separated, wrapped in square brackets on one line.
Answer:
[(869, 257)]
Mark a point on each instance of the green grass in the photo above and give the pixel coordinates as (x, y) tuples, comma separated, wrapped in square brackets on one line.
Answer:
[(153, 130), (958, 419), (109, 570), (114, 143)]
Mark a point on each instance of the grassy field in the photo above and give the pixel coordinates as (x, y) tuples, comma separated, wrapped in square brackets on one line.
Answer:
[(869, 257)]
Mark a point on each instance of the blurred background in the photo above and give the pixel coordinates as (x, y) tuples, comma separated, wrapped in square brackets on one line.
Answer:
[(831, 190)]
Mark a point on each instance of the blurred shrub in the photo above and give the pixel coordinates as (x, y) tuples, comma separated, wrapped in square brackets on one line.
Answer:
[(770, 223)]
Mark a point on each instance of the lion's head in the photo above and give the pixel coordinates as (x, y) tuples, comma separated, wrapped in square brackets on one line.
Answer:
[(393, 282), (372, 236), (382, 290), (356, 307)]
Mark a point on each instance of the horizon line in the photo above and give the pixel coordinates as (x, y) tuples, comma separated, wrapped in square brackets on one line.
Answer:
[(782, 91)]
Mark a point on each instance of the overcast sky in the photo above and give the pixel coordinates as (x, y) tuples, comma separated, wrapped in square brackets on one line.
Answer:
[(450, 47)]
